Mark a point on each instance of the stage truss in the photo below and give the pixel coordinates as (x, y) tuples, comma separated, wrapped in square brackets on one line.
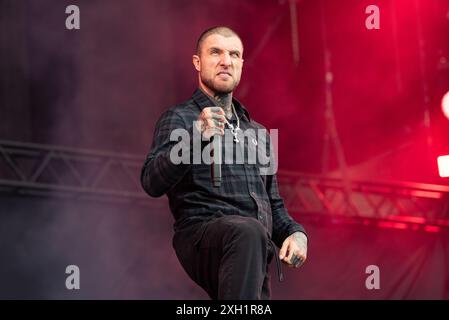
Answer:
[(71, 173)]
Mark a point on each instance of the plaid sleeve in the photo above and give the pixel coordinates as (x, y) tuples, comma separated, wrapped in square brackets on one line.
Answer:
[(159, 173), (283, 224)]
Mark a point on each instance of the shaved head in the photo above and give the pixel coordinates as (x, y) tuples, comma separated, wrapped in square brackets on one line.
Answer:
[(223, 31)]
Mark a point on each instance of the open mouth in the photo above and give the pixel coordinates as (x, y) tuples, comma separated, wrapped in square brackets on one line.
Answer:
[(224, 75)]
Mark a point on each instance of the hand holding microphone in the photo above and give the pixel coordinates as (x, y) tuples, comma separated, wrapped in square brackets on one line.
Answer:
[(211, 122)]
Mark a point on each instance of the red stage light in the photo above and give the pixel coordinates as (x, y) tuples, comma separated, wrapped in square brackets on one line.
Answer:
[(445, 104), (432, 229), (394, 225), (443, 166)]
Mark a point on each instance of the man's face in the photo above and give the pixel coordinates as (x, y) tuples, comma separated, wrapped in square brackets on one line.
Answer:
[(219, 63)]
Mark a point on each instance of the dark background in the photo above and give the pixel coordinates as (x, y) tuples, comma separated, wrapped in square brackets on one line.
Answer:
[(104, 86)]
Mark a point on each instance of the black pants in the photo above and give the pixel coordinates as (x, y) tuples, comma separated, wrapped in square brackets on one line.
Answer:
[(227, 256)]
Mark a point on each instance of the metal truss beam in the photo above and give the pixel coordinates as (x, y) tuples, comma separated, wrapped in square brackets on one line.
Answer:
[(402, 203), (44, 170), (36, 169)]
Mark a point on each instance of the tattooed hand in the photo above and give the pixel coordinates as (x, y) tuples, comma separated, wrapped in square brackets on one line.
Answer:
[(211, 121), (294, 250)]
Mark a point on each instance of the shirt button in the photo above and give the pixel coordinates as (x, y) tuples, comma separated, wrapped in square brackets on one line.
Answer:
[(260, 217)]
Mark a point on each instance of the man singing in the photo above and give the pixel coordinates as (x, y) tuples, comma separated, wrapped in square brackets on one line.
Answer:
[(225, 236)]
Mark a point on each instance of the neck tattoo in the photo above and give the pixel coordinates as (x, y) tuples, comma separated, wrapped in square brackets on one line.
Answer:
[(225, 101)]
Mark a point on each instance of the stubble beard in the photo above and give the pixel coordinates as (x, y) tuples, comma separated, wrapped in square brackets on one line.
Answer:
[(219, 89)]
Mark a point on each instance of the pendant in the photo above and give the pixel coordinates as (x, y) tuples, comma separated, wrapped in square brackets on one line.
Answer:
[(234, 132)]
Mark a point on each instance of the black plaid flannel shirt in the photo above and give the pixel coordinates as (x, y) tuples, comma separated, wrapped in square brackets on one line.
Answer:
[(193, 198)]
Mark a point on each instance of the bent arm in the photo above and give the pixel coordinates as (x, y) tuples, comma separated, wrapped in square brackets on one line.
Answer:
[(159, 174), (283, 223)]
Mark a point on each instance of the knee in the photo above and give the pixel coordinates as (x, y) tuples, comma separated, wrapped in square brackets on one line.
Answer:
[(248, 231)]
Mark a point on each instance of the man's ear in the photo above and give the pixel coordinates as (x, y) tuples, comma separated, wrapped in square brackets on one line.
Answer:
[(196, 62)]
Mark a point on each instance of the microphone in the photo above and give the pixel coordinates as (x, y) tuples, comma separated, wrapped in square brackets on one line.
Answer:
[(216, 161)]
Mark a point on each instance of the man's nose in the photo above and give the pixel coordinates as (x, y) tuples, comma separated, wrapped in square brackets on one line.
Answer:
[(225, 59)]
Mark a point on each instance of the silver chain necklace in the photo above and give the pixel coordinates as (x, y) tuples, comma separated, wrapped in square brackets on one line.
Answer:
[(234, 130)]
